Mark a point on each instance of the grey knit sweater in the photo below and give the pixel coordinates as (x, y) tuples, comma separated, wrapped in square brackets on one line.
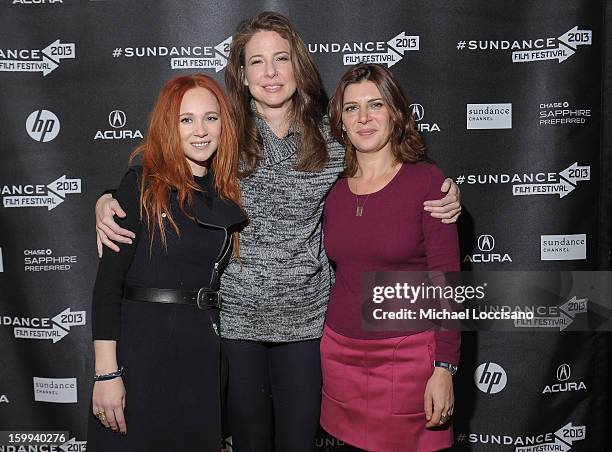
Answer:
[(280, 293)]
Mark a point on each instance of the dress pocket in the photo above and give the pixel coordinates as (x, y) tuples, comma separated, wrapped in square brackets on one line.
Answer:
[(332, 369), (411, 368)]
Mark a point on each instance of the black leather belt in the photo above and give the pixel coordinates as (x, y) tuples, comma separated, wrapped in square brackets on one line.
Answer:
[(204, 298)]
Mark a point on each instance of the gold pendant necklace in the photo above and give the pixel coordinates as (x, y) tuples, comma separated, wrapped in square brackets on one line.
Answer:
[(359, 210)]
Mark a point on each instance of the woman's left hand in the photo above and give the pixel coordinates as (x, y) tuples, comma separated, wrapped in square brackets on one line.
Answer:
[(439, 397)]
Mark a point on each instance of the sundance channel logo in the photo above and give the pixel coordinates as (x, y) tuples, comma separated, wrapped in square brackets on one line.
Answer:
[(531, 49), (380, 52), (563, 247), (55, 390), (489, 116), (44, 60), (181, 57)]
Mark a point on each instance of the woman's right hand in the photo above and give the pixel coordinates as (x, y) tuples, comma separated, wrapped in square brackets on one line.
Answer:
[(109, 398), (107, 231)]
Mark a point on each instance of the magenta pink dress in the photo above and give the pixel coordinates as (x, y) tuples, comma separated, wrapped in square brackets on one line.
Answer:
[(374, 383)]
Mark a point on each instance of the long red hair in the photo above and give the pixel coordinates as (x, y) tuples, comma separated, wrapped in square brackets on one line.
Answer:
[(165, 166)]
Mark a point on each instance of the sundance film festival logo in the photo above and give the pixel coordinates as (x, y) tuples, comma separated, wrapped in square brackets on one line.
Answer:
[(526, 184), (561, 440), (44, 328), (418, 113), (117, 120), (74, 446), (539, 49), (36, 60), (380, 52), (182, 57), (564, 372), (49, 196), (562, 113), (42, 125), (555, 316), (486, 246), (489, 116), (55, 390), (490, 378), (563, 247)]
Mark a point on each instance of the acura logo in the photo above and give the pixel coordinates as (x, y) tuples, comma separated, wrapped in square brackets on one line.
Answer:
[(486, 243), (418, 112), (116, 119), (563, 372)]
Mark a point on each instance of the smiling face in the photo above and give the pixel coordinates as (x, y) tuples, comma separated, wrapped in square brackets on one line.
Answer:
[(199, 128), (366, 118), (268, 70)]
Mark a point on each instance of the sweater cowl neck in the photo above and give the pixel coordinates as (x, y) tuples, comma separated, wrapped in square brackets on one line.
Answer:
[(275, 149)]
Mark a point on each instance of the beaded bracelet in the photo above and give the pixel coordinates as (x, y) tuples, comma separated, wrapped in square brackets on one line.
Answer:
[(119, 372)]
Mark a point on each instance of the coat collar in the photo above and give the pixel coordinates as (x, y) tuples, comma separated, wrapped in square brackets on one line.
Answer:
[(209, 208)]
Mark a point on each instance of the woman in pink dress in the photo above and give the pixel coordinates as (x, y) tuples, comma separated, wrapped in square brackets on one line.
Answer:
[(383, 391)]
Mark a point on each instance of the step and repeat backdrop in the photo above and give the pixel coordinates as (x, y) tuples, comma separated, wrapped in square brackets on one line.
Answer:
[(509, 97)]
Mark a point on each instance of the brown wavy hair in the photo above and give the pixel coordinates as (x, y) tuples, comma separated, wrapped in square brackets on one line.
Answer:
[(308, 103), (164, 164), (406, 144)]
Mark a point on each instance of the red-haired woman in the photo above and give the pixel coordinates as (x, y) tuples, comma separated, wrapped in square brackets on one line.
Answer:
[(155, 304)]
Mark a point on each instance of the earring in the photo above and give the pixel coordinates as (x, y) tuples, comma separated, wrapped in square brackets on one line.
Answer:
[(343, 128)]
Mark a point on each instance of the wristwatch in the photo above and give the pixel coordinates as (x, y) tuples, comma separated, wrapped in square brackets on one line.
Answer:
[(452, 368)]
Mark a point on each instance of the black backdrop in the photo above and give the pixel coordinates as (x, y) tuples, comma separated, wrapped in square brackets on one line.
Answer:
[(78, 78)]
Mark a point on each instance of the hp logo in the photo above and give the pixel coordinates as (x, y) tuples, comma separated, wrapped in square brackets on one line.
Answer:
[(490, 378), (418, 112), (564, 371), (42, 125), (486, 243), (116, 119)]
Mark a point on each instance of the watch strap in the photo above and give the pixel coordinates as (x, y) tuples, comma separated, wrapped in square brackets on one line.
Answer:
[(452, 368)]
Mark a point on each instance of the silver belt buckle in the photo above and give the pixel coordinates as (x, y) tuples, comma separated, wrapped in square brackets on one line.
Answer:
[(201, 298)]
